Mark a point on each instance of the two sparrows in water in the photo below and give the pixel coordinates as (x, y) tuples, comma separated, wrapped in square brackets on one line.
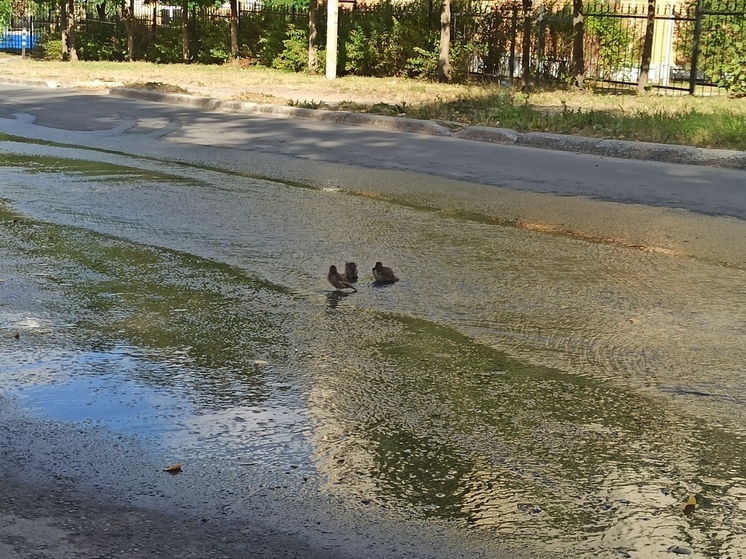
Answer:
[(381, 274)]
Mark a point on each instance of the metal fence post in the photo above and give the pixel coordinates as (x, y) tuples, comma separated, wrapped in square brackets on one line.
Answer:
[(695, 45)]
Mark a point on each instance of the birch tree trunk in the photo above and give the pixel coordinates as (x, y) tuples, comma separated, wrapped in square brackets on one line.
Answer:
[(313, 36), (578, 32)]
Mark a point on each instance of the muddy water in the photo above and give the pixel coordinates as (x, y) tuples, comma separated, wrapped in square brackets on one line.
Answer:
[(558, 391)]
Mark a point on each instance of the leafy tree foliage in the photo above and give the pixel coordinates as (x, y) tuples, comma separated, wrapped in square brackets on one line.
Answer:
[(724, 46), (608, 37), (6, 12)]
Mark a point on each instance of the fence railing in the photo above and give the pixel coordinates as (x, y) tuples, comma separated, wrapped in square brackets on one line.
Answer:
[(675, 48), (684, 52)]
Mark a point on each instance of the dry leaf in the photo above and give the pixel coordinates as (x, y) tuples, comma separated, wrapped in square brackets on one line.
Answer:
[(690, 505)]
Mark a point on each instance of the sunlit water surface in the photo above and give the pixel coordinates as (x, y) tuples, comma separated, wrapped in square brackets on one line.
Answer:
[(558, 394)]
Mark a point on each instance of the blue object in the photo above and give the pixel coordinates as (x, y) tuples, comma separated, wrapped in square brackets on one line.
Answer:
[(13, 40)]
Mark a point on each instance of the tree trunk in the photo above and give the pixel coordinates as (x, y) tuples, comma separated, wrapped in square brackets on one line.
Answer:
[(313, 36), (578, 31), (526, 54), (444, 61), (234, 28), (647, 49), (72, 53), (128, 17), (63, 19), (185, 31)]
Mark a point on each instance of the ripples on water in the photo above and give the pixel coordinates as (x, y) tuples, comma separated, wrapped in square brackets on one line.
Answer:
[(545, 390)]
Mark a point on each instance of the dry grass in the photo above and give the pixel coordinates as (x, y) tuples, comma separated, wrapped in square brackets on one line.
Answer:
[(234, 81), (701, 121)]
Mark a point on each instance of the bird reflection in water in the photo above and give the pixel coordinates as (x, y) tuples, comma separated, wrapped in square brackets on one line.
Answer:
[(333, 298)]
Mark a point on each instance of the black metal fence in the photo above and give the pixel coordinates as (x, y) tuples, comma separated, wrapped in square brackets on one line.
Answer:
[(688, 52), (695, 47)]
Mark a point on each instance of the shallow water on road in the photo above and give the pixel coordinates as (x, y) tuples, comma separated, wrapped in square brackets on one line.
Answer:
[(558, 393)]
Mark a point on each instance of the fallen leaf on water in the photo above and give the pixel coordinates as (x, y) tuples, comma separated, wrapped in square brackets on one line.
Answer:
[(690, 505), (173, 469)]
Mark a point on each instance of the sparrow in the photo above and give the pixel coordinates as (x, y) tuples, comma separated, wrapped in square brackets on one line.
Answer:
[(384, 274), (338, 280), (350, 271)]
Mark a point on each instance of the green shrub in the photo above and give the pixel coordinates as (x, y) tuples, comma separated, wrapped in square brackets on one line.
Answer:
[(423, 65), (166, 45), (6, 12), (211, 42), (726, 63), (101, 41), (49, 47), (271, 44), (377, 43), (294, 54)]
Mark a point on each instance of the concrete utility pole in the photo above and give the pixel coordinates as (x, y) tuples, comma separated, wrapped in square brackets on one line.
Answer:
[(332, 15)]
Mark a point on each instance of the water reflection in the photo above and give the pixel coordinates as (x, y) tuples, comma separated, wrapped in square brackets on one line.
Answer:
[(543, 389), (334, 298), (456, 430)]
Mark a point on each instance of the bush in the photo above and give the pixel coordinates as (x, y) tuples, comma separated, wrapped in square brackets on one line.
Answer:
[(726, 64), (377, 43), (49, 47), (294, 54), (271, 44), (101, 41), (424, 64), (211, 41), (166, 45), (6, 12)]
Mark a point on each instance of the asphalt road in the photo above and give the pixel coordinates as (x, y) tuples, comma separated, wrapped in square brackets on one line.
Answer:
[(113, 123)]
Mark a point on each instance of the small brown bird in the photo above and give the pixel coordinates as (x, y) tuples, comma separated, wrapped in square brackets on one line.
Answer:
[(384, 274), (350, 271), (338, 280)]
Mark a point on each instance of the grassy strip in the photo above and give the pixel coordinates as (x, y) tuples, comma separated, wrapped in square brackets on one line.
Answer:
[(725, 129)]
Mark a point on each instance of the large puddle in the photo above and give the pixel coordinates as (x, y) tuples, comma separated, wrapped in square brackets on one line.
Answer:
[(553, 391)]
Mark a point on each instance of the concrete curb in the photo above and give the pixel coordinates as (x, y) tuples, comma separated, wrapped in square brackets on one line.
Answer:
[(648, 151), (399, 124)]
